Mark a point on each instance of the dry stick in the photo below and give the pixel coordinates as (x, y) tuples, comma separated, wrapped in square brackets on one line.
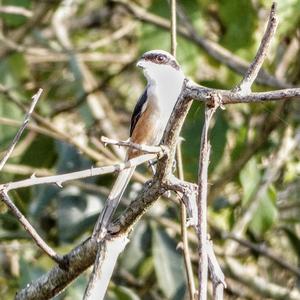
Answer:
[(16, 10), (252, 72), (10, 149), (140, 147), (59, 179), (202, 204), (29, 228), (183, 227), (173, 28), (6, 199), (216, 273)]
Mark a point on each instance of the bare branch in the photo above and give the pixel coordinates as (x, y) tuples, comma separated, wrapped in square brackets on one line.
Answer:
[(60, 179), (10, 149), (183, 226), (216, 274), (203, 94), (28, 227), (202, 203), (245, 85), (143, 148), (173, 28), (16, 10)]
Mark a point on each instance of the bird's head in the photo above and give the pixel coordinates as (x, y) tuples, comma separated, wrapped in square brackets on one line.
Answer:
[(159, 65)]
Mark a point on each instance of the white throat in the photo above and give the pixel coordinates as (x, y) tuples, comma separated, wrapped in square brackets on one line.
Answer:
[(165, 84)]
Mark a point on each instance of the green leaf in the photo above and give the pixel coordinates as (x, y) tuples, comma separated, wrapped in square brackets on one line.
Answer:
[(266, 214), (138, 247), (218, 139), (249, 178), (75, 290), (190, 147), (239, 31), (168, 265), (76, 209), (28, 272)]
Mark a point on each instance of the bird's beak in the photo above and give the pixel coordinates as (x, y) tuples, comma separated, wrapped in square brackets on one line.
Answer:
[(141, 64)]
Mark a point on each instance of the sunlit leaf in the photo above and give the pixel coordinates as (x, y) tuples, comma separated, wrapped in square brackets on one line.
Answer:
[(168, 264), (266, 213), (138, 247), (249, 177)]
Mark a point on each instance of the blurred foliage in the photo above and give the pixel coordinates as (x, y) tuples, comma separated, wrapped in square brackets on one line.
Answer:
[(90, 84)]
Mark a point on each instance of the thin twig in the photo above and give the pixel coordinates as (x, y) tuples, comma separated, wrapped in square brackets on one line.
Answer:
[(60, 179), (142, 148), (173, 28), (28, 227), (184, 235), (216, 273), (11, 147), (202, 203), (252, 72), (16, 10)]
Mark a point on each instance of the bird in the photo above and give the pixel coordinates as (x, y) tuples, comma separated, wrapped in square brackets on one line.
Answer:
[(149, 119)]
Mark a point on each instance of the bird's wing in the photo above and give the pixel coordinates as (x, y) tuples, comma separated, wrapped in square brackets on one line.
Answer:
[(138, 110)]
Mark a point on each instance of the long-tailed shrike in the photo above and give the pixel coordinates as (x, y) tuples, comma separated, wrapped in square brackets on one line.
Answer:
[(149, 119)]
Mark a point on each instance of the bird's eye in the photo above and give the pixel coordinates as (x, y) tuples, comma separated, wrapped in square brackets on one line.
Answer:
[(160, 58)]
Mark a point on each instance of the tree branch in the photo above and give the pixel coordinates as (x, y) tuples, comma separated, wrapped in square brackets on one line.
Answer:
[(245, 85), (60, 179), (30, 229), (202, 203), (10, 149)]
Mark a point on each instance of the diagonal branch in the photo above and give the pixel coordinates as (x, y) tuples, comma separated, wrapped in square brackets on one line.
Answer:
[(60, 179), (140, 147), (10, 149), (245, 85), (30, 229)]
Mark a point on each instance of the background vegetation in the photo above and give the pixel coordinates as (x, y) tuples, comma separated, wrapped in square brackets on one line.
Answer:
[(90, 88)]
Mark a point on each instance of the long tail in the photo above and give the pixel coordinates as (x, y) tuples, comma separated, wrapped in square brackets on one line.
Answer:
[(112, 202)]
